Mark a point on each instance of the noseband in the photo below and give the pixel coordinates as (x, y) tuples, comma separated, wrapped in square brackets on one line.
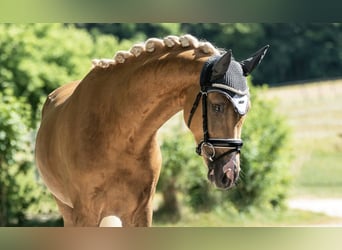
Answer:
[(233, 144)]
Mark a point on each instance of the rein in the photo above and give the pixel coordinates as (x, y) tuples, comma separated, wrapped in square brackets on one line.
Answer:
[(233, 144)]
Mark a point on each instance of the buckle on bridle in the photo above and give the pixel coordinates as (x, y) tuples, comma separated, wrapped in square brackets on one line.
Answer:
[(211, 147), (204, 92), (234, 145), (208, 145)]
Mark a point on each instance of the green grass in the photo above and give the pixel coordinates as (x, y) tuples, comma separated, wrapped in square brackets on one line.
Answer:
[(320, 176), (314, 112), (253, 219)]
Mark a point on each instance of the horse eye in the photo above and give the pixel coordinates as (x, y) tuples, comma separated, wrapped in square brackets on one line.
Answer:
[(217, 108)]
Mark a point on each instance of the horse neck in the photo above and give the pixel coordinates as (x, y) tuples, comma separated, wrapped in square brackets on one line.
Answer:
[(160, 90), (138, 97)]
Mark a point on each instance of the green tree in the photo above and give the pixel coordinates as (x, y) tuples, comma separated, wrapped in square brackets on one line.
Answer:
[(17, 182), (132, 31), (299, 51), (35, 59), (174, 155), (181, 171)]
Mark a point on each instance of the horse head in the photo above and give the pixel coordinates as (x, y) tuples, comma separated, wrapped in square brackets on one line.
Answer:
[(224, 101)]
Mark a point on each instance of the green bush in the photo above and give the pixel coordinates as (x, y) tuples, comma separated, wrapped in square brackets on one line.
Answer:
[(19, 189), (183, 176), (176, 148), (35, 59), (265, 158), (265, 179)]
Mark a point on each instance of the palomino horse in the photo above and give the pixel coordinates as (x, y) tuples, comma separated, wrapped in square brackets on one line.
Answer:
[(96, 148)]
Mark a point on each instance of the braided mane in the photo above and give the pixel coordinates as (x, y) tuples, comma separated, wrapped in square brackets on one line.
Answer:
[(150, 45)]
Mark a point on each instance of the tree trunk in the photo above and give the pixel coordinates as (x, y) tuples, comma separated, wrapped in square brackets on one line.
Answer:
[(170, 207), (3, 211), (3, 200)]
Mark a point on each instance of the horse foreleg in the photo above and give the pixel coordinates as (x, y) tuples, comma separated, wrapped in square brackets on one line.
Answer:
[(66, 212), (142, 216)]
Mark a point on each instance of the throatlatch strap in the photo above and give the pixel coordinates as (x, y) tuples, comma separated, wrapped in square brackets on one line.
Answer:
[(194, 107), (205, 118), (204, 79)]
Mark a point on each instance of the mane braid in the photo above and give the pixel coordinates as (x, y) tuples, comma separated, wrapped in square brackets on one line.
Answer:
[(150, 45)]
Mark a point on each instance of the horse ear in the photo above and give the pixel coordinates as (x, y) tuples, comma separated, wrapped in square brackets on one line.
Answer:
[(221, 66), (249, 64)]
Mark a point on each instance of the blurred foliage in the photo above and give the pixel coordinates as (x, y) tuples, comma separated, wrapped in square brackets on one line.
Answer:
[(19, 188), (35, 59), (182, 181), (265, 158), (299, 51), (131, 31), (175, 158)]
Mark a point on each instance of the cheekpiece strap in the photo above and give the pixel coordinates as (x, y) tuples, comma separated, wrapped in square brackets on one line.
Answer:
[(207, 87)]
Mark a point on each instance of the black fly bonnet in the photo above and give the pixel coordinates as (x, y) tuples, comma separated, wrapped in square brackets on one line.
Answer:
[(222, 74)]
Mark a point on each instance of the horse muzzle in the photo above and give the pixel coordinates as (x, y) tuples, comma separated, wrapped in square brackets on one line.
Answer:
[(225, 173)]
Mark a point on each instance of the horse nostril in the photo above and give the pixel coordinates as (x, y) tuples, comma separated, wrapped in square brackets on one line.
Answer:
[(226, 181)]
